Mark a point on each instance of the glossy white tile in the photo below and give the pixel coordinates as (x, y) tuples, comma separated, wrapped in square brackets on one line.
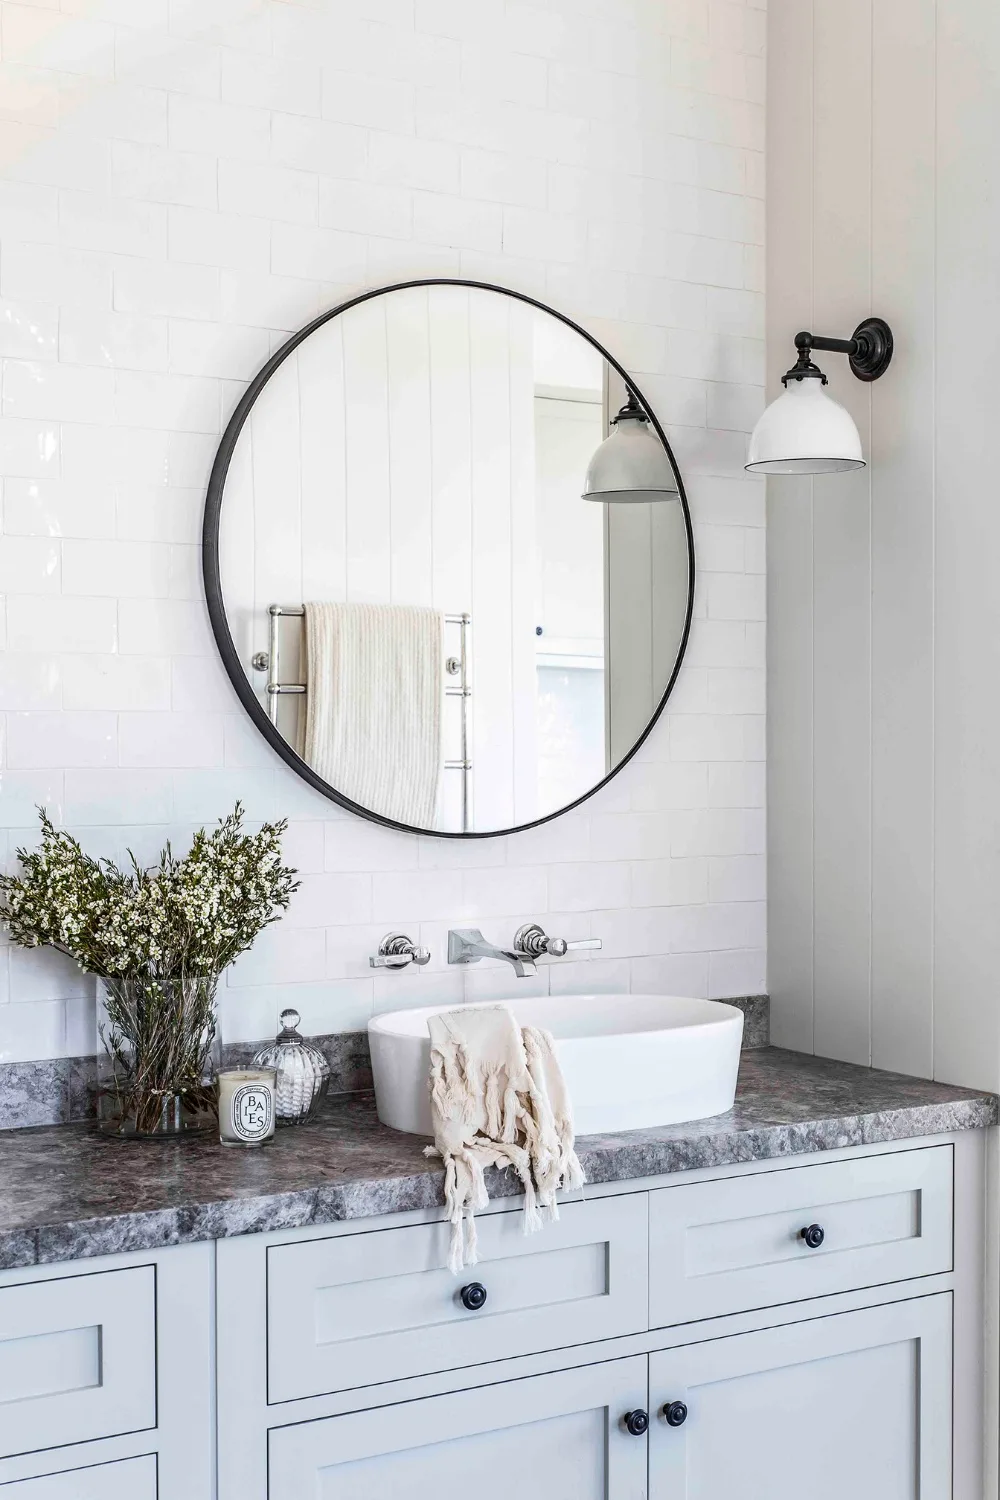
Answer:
[(183, 188)]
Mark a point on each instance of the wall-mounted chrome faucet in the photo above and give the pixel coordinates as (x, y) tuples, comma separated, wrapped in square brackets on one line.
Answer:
[(466, 945), (396, 950)]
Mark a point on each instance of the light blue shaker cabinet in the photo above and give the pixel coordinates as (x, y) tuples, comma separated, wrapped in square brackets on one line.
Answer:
[(851, 1407), (126, 1479), (341, 1361), (553, 1437), (846, 1365)]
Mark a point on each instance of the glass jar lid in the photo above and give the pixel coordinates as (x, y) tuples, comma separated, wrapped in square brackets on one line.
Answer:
[(289, 1032)]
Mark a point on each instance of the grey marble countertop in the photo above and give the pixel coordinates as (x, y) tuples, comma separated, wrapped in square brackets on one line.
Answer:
[(67, 1192)]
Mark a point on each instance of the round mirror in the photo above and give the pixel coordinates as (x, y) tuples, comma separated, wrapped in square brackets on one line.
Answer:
[(448, 558)]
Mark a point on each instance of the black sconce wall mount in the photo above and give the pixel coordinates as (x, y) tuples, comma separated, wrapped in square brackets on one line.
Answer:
[(868, 350)]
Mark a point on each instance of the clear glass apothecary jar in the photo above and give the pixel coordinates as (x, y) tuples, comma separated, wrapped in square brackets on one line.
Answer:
[(302, 1072)]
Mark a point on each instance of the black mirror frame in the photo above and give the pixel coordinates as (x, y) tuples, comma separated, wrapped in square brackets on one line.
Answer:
[(213, 578)]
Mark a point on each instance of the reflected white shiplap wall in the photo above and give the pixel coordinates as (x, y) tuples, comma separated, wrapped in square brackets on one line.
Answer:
[(183, 183), (391, 460), (884, 612)]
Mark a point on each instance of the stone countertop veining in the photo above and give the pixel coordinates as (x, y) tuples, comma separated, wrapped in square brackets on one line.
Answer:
[(66, 1192)]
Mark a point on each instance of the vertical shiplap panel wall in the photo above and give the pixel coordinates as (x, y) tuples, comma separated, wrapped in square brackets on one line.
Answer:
[(967, 546), (450, 418), (790, 540), (524, 566), (841, 544), (902, 539), (411, 485), (884, 782), (323, 467), (491, 364)]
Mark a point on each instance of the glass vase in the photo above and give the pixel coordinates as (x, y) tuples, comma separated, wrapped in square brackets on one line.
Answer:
[(158, 1055)]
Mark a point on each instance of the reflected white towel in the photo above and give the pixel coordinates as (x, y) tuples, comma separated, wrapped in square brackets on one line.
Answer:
[(498, 1099), (373, 706)]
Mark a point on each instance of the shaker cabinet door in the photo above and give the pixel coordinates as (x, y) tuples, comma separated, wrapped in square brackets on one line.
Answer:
[(735, 1243), (128, 1479), (77, 1359), (383, 1305), (551, 1437), (854, 1405)]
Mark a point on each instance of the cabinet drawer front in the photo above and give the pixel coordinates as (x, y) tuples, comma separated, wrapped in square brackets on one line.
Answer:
[(546, 1438), (853, 1405), (129, 1479), (722, 1247), (77, 1359), (364, 1308)]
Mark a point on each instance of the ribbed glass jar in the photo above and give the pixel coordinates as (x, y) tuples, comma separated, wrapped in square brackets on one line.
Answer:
[(303, 1073)]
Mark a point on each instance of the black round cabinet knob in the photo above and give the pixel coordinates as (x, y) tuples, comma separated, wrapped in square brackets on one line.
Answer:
[(675, 1413), (813, 1236), (636, 1422), (473, 1296)]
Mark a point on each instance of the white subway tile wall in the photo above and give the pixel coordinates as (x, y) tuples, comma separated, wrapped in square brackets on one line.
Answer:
[(182, 184)]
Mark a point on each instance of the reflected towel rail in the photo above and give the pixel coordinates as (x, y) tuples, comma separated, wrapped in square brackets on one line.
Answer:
[(456, 666)]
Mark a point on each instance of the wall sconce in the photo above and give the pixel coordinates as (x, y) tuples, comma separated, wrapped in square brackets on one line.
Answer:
[(805, 431), (631, 464)]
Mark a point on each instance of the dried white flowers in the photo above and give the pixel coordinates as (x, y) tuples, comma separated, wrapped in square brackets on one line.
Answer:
[(195, 914)]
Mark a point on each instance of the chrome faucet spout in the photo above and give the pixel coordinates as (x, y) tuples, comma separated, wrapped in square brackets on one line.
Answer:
[(522, 966), (466, 945)]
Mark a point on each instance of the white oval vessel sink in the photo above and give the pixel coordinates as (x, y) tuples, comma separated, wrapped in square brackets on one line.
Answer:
[(629, 1061)]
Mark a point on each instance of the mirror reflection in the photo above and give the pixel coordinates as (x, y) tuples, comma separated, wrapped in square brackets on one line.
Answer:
[(429, 611)]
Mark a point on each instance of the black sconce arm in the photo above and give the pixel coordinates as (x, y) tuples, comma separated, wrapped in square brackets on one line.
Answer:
[(869, 351)]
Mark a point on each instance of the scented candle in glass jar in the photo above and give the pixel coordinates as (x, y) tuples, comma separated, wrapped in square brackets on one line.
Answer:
[(246, 1106)]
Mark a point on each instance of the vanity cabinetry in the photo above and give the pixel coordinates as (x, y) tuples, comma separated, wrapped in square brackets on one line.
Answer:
[(383, 1305), (722, 1246), (823, 1407), (674, 1337), (77, 1361), (107, 1377), (128, 1479), (854, 1405), (553, 1437), (846, 1362)]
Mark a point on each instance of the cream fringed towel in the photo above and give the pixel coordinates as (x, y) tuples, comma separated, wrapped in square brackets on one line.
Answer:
[(497, 1100), (373, 705)]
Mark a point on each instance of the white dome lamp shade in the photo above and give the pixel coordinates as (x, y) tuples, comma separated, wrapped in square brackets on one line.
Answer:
[(631, 464), (805, 431)]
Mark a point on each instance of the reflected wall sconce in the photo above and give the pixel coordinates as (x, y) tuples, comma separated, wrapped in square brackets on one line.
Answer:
[(631, 464), (805, 431)]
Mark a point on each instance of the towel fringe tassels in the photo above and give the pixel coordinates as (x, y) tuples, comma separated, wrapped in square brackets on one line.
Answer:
[(498, 1099)]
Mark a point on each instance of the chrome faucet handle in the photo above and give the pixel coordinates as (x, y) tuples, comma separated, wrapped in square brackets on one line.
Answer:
[(531, 940), (396, 950)]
